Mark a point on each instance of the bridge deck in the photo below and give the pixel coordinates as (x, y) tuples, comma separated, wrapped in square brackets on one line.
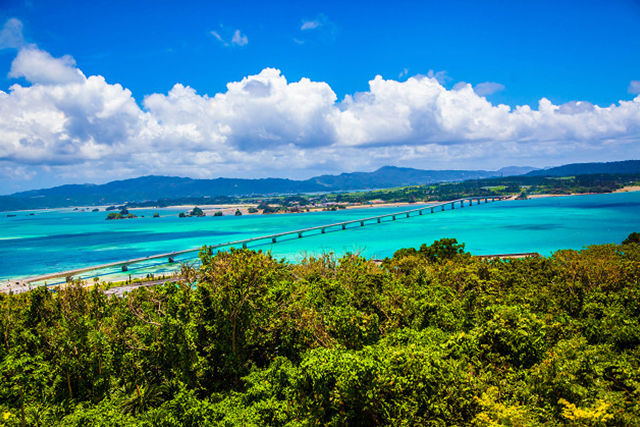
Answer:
[(272, 237)]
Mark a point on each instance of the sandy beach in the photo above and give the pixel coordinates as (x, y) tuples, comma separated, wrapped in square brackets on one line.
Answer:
[(621, 190)]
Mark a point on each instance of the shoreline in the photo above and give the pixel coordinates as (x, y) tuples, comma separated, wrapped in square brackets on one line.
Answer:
[(629, 189)]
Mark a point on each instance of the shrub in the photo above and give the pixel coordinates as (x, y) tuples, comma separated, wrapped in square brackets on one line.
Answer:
[(632, 238), (114, 215)]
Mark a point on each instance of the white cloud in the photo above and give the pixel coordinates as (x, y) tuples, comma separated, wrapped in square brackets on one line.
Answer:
[(219, 37), (634, 87), (239, 38), (488, 88), (11, 35), (310, 25), (85, 129), (261, 111), (38, 66), (440, 76), (320, 26)]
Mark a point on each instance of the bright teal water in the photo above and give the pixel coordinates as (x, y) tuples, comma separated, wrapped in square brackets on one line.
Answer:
[(63, 239)]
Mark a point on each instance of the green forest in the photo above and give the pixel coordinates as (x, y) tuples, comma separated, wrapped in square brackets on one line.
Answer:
[(431, 337), (528, 185)]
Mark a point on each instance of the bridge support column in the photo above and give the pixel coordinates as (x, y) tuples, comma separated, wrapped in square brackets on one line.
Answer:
[(420, 212), (361, 223), (431, 210), (171, 261), (378, 220), (125, 268), (324, 231), (470, 202), (453, 206), (394, 217), (299, 235), (462, 203), (443, 207), (274, 240), (407, 214), (344, 226), (244, 246)]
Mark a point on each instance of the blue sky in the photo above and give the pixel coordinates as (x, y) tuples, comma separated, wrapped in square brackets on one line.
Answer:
[(579, 57)]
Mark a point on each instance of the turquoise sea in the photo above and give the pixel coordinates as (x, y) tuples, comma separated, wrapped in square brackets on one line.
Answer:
[(55, 240)]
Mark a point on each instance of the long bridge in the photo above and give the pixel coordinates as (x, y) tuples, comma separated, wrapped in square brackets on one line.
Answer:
[(273, 238)]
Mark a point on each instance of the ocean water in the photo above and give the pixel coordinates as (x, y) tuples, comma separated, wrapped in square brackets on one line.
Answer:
[(56, 240)]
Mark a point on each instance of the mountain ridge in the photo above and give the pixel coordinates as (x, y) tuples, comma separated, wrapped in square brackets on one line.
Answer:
[(158, 187), (624, 167)]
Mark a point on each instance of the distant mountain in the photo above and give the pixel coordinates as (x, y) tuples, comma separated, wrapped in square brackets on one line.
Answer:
[(166, 187), (516, 170), (624, 167), (161, 187), (391, 176)]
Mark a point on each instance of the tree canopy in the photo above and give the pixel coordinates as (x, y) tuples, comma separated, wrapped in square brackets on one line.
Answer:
[(431, 337)]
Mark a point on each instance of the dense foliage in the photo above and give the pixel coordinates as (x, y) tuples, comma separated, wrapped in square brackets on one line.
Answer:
[(431, 337), (581, 184)]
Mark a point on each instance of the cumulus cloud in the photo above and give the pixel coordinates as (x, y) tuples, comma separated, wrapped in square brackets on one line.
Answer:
[(11, 35), (487, 88), (440, 76), (38, 66), (576, 107), (634, 87), (261, 111), (83, 128)]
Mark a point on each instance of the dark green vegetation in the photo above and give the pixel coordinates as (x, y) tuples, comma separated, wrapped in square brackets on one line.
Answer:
[(624, 167), (120, 215), (431, 337), (196, 211), (525, 185), (151, 191), (632, 238)]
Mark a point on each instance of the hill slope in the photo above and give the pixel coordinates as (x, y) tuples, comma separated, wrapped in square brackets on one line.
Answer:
[(627, 166)]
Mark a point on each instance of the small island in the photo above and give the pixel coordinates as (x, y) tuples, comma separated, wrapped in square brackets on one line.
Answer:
[(194, 212), (123, 214)]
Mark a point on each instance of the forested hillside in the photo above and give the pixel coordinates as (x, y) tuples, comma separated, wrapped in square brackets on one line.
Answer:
[(432, 337)]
